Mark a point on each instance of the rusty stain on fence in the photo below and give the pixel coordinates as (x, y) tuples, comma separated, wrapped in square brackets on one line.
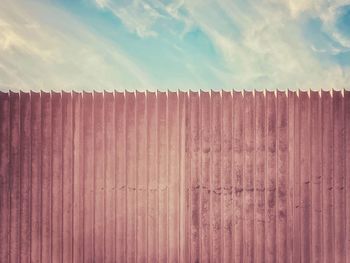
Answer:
[(175, 177)]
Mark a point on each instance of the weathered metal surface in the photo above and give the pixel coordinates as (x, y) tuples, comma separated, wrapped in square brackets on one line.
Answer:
[(175, 177)]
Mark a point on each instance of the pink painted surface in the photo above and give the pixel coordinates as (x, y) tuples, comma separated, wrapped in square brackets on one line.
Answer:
[(175, 177)]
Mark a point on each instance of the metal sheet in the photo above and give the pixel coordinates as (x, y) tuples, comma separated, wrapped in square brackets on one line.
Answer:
[(175, 177)]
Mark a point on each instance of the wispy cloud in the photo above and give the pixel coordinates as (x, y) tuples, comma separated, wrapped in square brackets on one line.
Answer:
[(137, 16), (261, 42), (43, 47)]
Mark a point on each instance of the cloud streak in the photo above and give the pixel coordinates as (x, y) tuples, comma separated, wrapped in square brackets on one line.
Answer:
[(45, 48), (260, 42)]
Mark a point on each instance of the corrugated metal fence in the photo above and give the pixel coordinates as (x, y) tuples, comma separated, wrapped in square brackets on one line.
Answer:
[(178, 177)]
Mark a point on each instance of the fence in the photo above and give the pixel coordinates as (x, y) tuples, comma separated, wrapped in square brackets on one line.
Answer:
[(178, 177)]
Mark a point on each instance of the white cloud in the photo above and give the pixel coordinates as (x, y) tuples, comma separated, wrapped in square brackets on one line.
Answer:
[(59, 54), (102, 3), (329, 19), (137, 16), (261, 42), (270, 49), (142, 17)]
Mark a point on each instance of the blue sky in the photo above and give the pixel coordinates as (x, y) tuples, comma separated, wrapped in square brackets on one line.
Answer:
[(174, 45)]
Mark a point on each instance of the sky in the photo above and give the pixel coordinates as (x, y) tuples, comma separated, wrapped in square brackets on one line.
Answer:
[(66, 45)]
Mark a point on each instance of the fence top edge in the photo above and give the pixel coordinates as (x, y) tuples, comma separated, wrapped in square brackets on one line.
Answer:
[(298, 93)]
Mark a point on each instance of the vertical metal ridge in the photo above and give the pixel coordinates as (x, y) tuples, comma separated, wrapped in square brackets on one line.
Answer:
[(15, 175), (347, 170), (61, 181), (248, 182), (305, 174), (238, 174), (125, 232), (46, 161), (254, 176), (103, 139), (298, 144), (243, 105), (173, 181), (182, 187), (51, 181), (321, 174), (73, 181), (162, 167), (226, 168), (200, 161), (136, 176), (310, 174), (271, 176), (119, 146), (83, 131), (29, 256), (333, 201), (190, 176), (327, 161), (152, 183), (178, 110), (265, 171), (290, 197), (81, 177), (276, 175), (131, 173), (4, 176), (147, 174), (67, 175), (220, 192), (339, 177), (93, 188), (19, 208), (187, 178), (25, 176), (211, 188), (109, 177), (36, 177), (88, 141), (316, 179), (36, 141), (167, 172), (158, 181), (142, 180), (99, 176), (259, 178), (57, 197), (180, 162), (157, 175), (195, 176), (277, 224), (75, 175), (282, 175), (216, 190), (206, 150), (344, 174)]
